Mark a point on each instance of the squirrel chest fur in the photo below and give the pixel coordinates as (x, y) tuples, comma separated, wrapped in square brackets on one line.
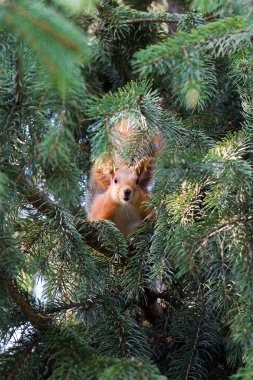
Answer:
[(127, 218)]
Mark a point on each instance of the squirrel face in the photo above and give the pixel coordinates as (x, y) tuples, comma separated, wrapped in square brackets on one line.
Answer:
[(124, 185)]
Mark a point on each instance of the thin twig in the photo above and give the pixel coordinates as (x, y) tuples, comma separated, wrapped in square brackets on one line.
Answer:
[(72, 305), (150, 20)]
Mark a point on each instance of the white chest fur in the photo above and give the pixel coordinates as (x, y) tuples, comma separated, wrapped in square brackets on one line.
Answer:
[(127, 218)]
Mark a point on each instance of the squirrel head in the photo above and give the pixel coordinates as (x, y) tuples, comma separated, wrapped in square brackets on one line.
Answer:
[(128, 181)]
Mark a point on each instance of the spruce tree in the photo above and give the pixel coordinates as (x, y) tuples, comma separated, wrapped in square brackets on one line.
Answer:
[(175, 299)]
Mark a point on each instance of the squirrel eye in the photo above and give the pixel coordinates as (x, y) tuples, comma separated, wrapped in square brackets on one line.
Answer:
[(115, 180)]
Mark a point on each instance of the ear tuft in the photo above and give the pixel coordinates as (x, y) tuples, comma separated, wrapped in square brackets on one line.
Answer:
[(145, 170)]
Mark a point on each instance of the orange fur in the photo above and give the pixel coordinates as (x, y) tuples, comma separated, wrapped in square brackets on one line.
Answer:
[(122, 202), (118, 192)]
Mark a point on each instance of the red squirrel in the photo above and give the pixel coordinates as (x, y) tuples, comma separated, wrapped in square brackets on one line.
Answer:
[(120, 194)]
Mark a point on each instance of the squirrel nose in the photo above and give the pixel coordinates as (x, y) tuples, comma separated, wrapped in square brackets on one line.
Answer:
[(127, 192)]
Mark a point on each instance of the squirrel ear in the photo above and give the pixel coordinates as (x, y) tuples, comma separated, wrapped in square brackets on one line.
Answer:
[(145, 170), (112, 173)]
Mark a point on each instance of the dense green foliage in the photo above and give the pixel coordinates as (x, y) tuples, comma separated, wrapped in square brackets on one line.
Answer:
[(174, 301)]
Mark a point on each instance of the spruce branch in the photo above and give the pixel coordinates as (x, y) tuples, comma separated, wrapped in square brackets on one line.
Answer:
[(46, 32), (44, 26), (198, 332), (19, 81), (248, 241), (44, 204), (26, 351), (148, 18), (167, 19), (19, 90), (191, 44), (216, 230), (211, 40), (35, 318)]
